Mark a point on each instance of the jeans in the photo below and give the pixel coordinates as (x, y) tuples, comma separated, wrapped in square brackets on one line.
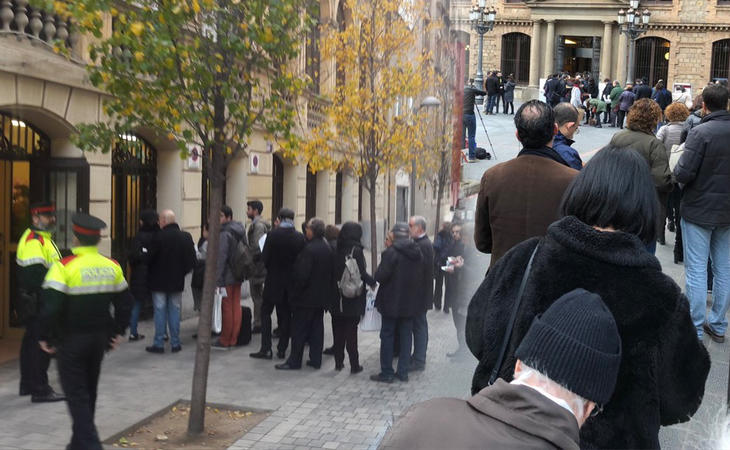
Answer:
[(257, 296), (404, 325), (699, 242), (491, 102), (134, 317), (167, 312), (420, 339), (470, 124)]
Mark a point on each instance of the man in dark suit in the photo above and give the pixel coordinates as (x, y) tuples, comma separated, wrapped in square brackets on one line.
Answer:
[(417, 230), (315, 288), (172, 256), (492, 88), (280, 251)]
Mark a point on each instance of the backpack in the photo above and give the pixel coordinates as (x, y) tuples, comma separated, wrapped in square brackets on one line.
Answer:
[(240, 261), (350, 284)]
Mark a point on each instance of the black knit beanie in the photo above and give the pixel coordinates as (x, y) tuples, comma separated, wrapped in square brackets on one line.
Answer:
[(576, 344)]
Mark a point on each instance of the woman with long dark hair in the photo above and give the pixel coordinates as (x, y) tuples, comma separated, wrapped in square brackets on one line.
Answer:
[(610, 212), (346, 312)]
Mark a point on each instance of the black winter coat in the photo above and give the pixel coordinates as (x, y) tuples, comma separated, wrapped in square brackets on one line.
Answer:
[(314, 283), (664, 366), (642, 91), (492, 85), (400, 277), (349, 241), (138, 258), (282, 246), (172, 257), (426, 294), (704, 170)]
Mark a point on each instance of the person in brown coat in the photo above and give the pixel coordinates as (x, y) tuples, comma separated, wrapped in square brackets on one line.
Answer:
[(641, 122), (518, 199), (576, 342)]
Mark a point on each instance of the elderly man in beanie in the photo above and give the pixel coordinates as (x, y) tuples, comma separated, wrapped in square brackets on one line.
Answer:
[(399, 301), (566, 370)]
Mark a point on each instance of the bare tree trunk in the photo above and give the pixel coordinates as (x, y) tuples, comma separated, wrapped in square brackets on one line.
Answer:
[(439, 194), (196, 424), (372, 187)]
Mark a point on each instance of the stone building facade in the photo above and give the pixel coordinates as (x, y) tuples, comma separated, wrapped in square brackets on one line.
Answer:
[(44, 96), (688, 41)]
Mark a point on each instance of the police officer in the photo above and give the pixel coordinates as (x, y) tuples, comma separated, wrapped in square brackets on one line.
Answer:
[(75, 319), (36, 252)]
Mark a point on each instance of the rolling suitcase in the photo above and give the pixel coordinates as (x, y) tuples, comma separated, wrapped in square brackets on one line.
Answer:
[(244, 335)]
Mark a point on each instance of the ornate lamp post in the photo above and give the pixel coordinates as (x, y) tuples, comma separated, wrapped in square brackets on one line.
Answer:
[(482, 21), (633, 24)]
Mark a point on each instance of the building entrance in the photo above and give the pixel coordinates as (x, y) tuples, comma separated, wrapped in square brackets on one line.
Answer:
[(578, 55)]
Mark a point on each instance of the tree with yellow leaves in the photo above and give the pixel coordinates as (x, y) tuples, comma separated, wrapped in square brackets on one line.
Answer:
[(376, 70), (202, 72)]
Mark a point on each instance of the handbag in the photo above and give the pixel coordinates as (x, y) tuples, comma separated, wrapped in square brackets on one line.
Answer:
[(217, 322), (508, 333), (371, 321), (674, 154)]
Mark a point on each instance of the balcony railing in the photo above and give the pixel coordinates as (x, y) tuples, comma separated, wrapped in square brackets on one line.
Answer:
[(316, 115), (44, 27)]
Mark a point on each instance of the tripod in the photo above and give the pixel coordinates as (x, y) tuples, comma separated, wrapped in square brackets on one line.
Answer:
[(487, 133)]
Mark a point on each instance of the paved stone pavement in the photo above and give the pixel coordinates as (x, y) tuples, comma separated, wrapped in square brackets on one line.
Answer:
[(500, 129), (310, 408)]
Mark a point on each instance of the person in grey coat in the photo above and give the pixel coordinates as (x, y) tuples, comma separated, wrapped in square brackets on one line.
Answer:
[(566, 370), (255, 232), (509, 94), (231, 233)]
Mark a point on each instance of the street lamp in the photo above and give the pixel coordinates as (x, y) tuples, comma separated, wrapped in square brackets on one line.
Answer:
[(427, 102), (482, 20), (633, 24)]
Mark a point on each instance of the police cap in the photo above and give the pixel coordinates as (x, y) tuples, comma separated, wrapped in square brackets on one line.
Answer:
[(43, 208), (87, 225)]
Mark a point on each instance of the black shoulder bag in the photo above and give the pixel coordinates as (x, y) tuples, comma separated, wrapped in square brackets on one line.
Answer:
[(511, 324)]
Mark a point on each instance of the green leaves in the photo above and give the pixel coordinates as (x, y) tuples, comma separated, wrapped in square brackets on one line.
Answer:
[(187, 68)]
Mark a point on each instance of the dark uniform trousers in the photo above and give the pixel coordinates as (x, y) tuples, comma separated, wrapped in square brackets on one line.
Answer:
[(79, 364), (33, 361), (283, 315), (307, 326)]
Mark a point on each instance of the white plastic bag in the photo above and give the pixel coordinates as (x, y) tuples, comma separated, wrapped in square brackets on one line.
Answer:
[(245, 290), (371, 321), (217, 323)]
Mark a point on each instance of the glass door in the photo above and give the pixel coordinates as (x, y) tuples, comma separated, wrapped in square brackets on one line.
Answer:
[(14, 219)]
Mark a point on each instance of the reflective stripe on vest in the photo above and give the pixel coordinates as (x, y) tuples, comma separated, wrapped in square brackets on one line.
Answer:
[(88, 273)]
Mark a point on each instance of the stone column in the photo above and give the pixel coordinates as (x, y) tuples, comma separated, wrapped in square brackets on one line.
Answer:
[(621, 59), (606, 48), (535, 55), (549, 64)]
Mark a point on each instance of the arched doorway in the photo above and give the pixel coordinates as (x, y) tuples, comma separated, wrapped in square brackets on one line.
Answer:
[(516, 56), (652, 59), (29, 174), (720, 65), (311, 194), (277, 186), (134, 188)]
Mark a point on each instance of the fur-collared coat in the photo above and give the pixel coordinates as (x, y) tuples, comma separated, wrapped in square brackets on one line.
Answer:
[(664, 366)]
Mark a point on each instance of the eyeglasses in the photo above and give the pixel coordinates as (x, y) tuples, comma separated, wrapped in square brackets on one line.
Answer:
[(597, 409)]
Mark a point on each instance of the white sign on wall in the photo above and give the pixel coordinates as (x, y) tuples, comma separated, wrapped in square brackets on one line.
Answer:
[(255, 162)]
